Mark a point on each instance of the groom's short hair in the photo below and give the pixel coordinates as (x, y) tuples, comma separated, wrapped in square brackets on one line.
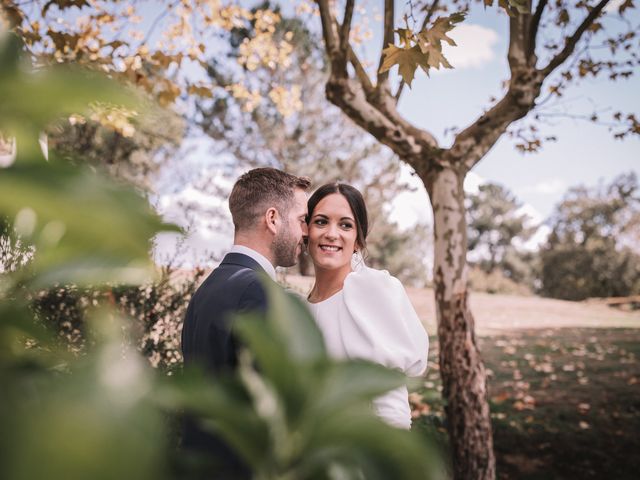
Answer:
[(260, 189)]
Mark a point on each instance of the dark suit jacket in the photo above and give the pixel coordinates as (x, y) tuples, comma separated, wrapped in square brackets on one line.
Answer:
[(207, 340)]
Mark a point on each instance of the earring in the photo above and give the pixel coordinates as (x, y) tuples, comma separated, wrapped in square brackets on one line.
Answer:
[(357, 260)]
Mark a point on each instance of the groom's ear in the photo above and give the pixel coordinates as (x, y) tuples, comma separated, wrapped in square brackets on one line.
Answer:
[(272, 218)]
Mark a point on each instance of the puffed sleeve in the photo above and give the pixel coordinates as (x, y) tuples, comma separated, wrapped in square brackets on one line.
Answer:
[(384, 327)]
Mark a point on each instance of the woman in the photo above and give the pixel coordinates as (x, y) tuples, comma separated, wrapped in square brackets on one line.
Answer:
[(362, 313)]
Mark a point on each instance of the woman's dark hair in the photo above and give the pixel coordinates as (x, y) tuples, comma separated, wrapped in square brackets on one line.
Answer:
[(355, 201)]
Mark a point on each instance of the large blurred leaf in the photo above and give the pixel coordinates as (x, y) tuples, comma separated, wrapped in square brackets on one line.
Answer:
[(85, 228), (355, 381), (31, 99), (291, 320), (317, 411), (223, 408), (95, 421), (382, 452), (270, 350)]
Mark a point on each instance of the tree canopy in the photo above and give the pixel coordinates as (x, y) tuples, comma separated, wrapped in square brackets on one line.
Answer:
[(592, 250)]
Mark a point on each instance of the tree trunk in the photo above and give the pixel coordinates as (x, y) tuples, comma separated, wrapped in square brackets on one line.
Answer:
[(463, 373), (304, 265)]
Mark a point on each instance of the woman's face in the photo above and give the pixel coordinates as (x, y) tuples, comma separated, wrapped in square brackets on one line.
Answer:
[(332, 233)]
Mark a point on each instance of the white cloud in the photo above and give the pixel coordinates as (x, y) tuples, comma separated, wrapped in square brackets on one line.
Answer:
[(207, 219), (535, 216), (612, 7), (472, 182), (412, 206), (550, 186), (475, 46), (535, 220), (538, 238)]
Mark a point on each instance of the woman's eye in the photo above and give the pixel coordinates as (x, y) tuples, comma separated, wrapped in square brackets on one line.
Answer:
[(320, 221), (347, 225)]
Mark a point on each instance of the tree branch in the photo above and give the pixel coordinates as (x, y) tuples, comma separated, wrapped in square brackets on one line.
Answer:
[(329, 34), (573, 40), (373, 108), (156, 21), (345, 29), (473, 143), (432, 10), (361, 73), (399, 91), (387, 39), (386, 126), (535, 24), (330, 29)]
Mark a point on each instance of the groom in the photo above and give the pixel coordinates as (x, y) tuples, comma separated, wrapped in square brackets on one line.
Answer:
[(269, 209)]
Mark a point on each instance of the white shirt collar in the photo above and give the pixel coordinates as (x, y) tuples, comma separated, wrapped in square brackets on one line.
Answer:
[(261, 259)]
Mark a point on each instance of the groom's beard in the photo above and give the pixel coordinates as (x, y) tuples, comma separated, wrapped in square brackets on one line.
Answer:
[(285, 248)]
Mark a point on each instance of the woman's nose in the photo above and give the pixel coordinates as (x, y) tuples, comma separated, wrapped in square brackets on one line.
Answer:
[(331, 232)]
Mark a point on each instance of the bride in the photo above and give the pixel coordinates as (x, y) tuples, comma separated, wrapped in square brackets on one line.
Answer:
[(362, 313)]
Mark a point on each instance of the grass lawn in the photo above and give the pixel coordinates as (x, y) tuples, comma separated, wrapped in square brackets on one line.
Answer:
[(565, 402)]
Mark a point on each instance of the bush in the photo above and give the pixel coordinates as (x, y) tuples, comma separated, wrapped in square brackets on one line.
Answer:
[(156, 311), (590, 251), (495, 282)]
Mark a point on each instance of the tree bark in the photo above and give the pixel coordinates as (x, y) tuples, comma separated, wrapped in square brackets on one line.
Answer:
[(461, 367), (304, 265)]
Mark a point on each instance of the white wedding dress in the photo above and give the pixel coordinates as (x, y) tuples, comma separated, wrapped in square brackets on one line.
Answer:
[(371, 318)]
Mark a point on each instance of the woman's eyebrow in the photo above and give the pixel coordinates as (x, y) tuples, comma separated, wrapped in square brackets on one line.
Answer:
[(325, 216)]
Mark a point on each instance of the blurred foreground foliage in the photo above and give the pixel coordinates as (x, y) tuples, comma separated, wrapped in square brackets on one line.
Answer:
[(99, 410)]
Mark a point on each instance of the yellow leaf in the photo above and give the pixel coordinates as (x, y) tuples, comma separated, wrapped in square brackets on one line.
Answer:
[(406, 36), (435, 59), (437, 34), (200, 91), (594, 27), (408, 60)]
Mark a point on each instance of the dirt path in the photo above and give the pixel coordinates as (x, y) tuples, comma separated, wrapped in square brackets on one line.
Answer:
[(495, 313)]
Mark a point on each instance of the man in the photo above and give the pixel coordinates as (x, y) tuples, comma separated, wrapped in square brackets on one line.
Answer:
[(269, 209)]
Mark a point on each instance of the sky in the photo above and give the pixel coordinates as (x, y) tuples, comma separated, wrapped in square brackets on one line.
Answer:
[(583, 154)]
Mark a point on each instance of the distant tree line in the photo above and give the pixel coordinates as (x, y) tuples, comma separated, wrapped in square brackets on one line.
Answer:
[(592, 250)]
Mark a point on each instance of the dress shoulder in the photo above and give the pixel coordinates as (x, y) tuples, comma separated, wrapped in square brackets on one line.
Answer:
[(385, 321)]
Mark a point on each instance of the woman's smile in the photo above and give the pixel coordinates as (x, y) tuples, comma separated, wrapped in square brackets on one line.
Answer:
[(330, 248), (332, 233)]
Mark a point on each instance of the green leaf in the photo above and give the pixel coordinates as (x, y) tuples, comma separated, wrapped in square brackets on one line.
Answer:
[(381, 451), (292, 321), (291, 380), (222, 408), (355, 381), (85, 228), (10, 50), (77, 423)]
